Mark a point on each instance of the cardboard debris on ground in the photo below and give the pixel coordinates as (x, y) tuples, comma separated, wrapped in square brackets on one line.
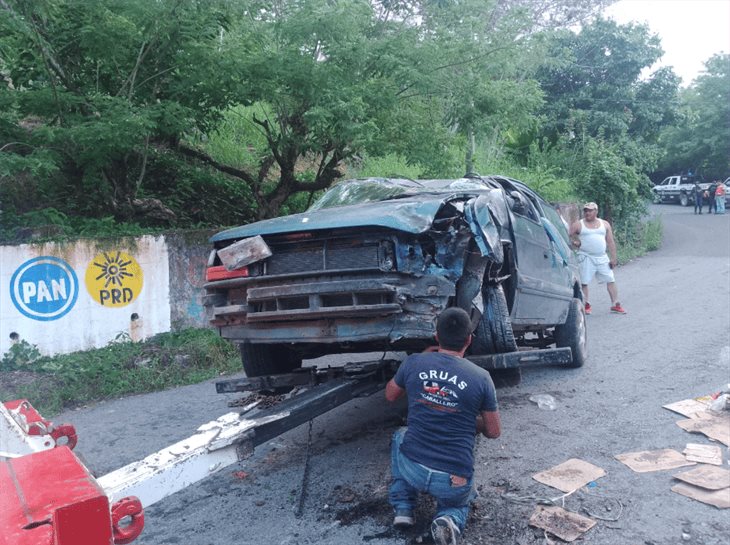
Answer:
[(713, 425), (704, 454), (718, 498), (653, 460), (689, 407), (564, 524), (570, 475), (709, 477)]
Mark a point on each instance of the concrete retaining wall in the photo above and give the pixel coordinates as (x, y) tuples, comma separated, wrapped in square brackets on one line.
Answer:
[(71, 296)]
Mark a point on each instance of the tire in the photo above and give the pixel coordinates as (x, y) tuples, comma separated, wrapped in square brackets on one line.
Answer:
[(494, 334), (267, 359), (573, 333), (657, 198), (684, 199)]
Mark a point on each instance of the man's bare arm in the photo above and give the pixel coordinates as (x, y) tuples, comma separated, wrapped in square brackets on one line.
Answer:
[(489, 425), (610, 244), (393, 391), (573, 232)]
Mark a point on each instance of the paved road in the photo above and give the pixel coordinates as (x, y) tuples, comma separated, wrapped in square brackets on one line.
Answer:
[(673, 344)]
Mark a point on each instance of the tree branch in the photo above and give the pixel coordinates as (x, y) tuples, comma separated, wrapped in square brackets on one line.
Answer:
[(200, 156)]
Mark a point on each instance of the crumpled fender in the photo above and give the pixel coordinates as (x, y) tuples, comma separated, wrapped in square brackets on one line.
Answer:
[(486, 233)]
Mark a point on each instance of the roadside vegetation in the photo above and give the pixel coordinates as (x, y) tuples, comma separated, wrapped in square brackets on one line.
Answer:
[(126, 117), (123, 367)]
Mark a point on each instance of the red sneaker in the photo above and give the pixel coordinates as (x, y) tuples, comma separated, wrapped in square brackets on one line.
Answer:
[(587, 308), (618, 309)]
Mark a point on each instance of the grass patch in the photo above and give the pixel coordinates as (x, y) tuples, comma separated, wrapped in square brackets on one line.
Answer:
[(643, 237), (123, 367)]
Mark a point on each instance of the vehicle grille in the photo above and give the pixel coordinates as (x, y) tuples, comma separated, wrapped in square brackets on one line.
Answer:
[(322, 256)]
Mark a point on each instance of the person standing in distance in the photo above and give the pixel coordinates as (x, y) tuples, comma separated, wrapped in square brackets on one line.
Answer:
[(720, 197), (697, 193), (711, 201), (591, 237), (450, 399)]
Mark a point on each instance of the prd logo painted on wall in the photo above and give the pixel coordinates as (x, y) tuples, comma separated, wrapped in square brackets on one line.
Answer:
[(44, 288), (114, 279)]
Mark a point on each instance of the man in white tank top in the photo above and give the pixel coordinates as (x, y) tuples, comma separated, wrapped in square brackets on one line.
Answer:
[(591, 237)]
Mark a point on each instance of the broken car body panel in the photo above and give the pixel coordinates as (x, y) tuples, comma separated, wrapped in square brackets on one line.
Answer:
[(359, 273)]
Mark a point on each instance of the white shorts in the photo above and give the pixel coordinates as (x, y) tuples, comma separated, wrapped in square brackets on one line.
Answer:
[(595, 266)]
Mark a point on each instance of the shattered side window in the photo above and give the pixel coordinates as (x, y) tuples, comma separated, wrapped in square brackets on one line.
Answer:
[(362, 191)]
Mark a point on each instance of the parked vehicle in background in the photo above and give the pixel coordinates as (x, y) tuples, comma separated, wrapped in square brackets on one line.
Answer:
[(373, 262), (677, 189)]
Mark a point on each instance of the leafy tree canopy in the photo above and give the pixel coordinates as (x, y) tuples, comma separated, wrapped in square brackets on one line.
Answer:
[(182, 112), (700, 140)]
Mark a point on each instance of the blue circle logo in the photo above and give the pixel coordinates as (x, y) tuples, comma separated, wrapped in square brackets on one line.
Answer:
[(44, 288)]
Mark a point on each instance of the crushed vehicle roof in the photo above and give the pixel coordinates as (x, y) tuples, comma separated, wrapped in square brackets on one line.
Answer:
[(407, 205)]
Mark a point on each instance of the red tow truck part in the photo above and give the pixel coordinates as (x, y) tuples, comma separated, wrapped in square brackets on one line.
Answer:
[(49, 498), (47, 495)]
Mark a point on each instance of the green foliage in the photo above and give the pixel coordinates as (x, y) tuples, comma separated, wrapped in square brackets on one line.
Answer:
[(91, 90), (601, 120), (52, 224), (638, 237), (700, 140), (121, 368), (21, 355), (136, 115), (389, 166)]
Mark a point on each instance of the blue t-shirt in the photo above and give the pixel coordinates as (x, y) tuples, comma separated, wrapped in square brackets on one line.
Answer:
[(445, 395)]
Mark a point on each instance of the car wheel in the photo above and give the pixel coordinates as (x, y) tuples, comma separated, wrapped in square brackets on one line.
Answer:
[(494, 333), (683, 199), (266, 359), (657, 198), (573, 333)]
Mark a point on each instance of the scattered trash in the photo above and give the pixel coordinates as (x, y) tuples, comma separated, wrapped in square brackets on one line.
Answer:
[(704, 454), (689, 407), (590, 511), (709, 477), (544, 401), (240, 475), (721, 400), (570, 475), (557, 521), (718, 498), (653, 460), (713, 425)]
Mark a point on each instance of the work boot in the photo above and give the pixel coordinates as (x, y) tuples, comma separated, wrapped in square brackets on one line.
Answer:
[(444, 531)]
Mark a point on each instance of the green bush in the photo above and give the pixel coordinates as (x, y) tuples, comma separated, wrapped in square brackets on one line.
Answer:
[(121, 368)]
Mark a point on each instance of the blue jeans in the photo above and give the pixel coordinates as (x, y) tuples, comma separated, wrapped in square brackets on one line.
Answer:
[(410, 478), (720, 204)]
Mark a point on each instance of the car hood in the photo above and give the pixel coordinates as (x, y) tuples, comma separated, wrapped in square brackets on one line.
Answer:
[(412, 215)]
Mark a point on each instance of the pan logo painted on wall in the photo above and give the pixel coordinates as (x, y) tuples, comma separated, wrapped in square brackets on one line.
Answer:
[(114, 279), (44, 288)]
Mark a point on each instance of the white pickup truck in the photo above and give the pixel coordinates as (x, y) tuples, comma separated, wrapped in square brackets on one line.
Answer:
[(676, 188)]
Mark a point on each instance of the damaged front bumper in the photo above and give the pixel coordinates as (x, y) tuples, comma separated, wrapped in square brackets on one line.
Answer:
[(396, 309)]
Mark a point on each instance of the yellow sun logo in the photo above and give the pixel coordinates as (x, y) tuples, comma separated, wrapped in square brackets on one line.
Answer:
[(113, 269), (114, 279)]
